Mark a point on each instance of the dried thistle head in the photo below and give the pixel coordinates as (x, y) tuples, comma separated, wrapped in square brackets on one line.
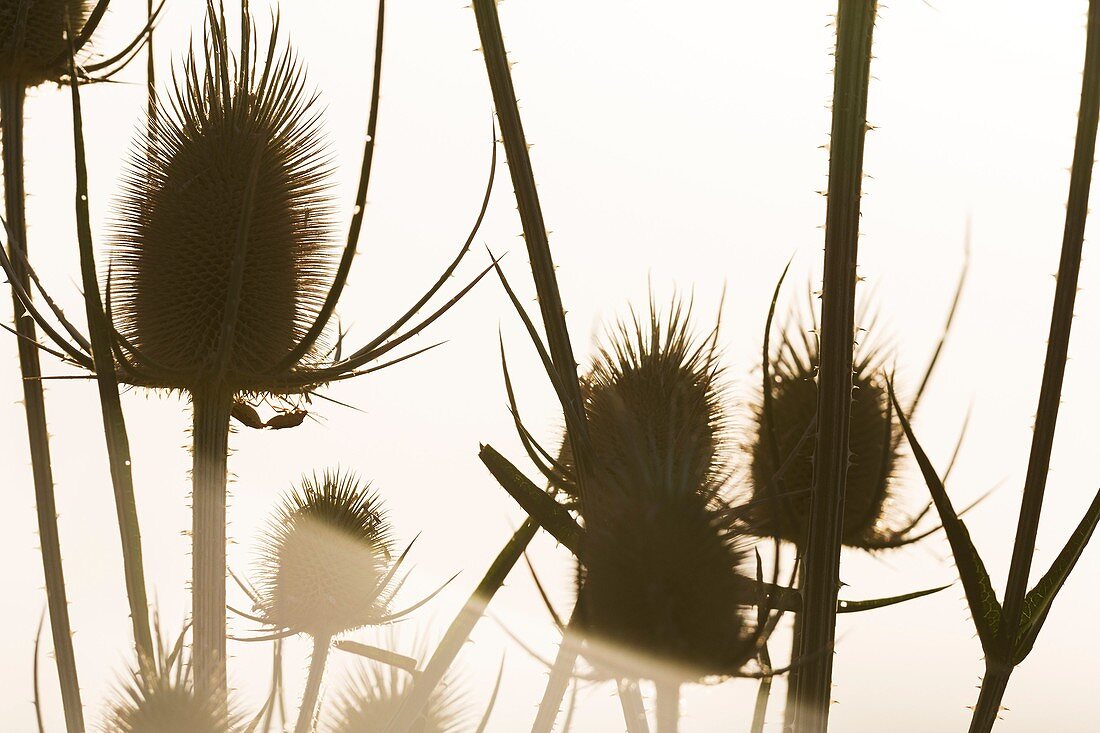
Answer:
[(326, 563), (655, 405), (372, 697), (221, 254), (783, 435), (659, 591), (33, 47), (166, 700)]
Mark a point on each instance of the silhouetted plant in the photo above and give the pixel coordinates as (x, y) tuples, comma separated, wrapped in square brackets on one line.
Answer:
[(226, 279), (326, 568), (37, 40)]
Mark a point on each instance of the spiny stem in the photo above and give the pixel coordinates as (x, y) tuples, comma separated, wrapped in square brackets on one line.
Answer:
[(460, 629), (12, 95), (668, 706), (560, 676), (114, 422), (313, 684), (208, 476), (855, 24), (988, 707)]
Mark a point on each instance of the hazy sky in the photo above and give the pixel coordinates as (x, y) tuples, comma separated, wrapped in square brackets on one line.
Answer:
[(677, 142)]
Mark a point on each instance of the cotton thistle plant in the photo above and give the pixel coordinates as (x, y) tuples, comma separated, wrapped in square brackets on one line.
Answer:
[(327, 567), (223, 275)]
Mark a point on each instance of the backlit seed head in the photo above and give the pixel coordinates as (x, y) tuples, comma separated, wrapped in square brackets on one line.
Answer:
[(325, 559), (782, 508), (222, 251), (659, 592), (374, 694), (33, 48), (654, 404), (166, 701)]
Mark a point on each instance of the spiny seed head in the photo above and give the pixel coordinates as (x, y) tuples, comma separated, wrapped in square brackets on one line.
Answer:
[(166, 701), (782, 508), (659, 586), (654, 407), (33, 48), (222, 242), (373, 696), (325, 558)]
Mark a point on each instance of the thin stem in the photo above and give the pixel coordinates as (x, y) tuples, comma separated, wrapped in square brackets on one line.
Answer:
[(560, 676), (988, 709), (630, 699), (668, 706), (208, 476), (317, 663), (114, 422), (789, 711), (855, 25), (12, 95), (1061, 321)]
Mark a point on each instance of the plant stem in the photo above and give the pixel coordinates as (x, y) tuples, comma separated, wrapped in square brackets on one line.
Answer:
[(668, 706), (208, 476), (1061, 321), (855, 24), (789, 712), (630, 699), (460, 629), (988, 707), (114, 422), (12, 95), (313, 684), (561, 674)]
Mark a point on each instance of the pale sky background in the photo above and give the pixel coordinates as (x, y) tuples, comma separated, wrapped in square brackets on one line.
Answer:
[(681, 142)]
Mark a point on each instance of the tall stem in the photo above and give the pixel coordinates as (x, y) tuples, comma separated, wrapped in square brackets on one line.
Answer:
[(12, 95), (668, 706), (855, 24), (789, 712), (208, 476), (313, 684)]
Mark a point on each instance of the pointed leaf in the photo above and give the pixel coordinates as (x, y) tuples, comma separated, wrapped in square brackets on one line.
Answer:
[(857, 606)]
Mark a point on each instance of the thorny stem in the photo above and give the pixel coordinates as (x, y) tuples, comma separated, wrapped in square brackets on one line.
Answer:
[(668, 706), (317, 664), (561, 674), (212, 405), (855, 25), (12, 95), (989, 699), (460, 629), (630, 699)]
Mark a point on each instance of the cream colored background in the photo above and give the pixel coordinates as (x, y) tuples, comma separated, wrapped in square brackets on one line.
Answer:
[(681, 142)]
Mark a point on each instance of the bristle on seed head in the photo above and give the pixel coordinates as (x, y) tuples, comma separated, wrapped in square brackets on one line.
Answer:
[(33, 47)]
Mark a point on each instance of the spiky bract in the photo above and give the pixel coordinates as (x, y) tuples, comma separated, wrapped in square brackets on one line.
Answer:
[(781, 507), (659, 593), (166, 701), (326, 558), (374, 695), (221, 249), (33, 49)]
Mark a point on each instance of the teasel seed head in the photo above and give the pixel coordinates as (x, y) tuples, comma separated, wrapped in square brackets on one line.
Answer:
[(33, 47), (222, 238), (659, 591), (371, 698), (782, 507), (166, 700), (326, 563)]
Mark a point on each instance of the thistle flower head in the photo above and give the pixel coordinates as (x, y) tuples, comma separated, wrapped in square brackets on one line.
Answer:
[(326, 564), (33, 48), (166, 700), (659, 591), (221, 251), (374, 694), (781, 506)]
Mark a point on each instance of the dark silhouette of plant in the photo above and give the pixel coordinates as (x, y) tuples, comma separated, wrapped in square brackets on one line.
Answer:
[(37, 42), (326, 568), (226, 280)]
